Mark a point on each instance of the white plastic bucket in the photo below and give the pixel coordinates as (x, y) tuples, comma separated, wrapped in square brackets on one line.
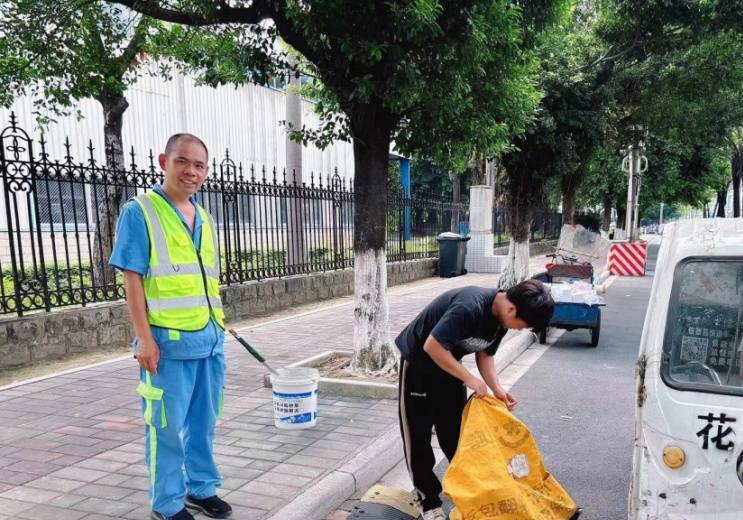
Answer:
[(295, 398)]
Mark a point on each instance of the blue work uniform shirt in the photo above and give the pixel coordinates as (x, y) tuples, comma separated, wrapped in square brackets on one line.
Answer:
[(131, 252)]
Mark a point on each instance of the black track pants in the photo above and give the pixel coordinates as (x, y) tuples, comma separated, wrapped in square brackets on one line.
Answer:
[(428, 399)]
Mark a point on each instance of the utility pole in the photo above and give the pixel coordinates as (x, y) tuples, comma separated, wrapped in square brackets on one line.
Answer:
[(628, 167), (634, 164), (294, 175)]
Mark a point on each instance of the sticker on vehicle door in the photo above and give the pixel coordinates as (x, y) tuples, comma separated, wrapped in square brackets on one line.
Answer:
[(694, 349)]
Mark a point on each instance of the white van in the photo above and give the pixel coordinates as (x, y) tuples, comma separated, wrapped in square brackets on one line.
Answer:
[(688, 462)]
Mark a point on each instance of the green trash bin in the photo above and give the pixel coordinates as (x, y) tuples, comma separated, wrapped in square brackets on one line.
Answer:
[(452, 253)]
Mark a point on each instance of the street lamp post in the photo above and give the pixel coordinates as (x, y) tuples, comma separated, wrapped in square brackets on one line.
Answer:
[(634, 164), (640, 169), (628, 167)]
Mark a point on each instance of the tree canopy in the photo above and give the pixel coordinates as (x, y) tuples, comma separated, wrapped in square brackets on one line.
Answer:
[(61, 53), (390, 68), (674, 67)]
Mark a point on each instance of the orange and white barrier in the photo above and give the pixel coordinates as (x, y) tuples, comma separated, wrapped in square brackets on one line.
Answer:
[(628, 258)]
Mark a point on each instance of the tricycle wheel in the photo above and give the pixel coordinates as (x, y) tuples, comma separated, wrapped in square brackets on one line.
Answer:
[(595, 331), (543, 337)]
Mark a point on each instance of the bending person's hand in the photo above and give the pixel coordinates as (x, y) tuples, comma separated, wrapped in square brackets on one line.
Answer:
[(478, 386), (509, 400)]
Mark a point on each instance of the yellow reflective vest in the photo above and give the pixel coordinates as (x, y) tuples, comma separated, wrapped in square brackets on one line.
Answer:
[(181, 285)]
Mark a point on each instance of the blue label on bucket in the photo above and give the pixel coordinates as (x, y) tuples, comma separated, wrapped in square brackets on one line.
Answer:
[(304, 395), (298, 419)]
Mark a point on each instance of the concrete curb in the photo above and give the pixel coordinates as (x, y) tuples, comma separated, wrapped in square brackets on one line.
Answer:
[(342, 387), (512, 347), (365, 468), (355, 475)]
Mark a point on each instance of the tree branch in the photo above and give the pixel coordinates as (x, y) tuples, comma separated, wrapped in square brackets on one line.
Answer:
[(324, 61), (135, 44), (223, 14)]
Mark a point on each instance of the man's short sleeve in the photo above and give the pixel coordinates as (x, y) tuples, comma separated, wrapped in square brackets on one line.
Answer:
[(131, 251), (454, 326)]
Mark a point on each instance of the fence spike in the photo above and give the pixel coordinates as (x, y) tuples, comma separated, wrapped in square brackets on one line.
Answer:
[(112, 156), (240, 171), (294, 176), (91, 153), (42, 143), (133, 156), (13, 122), (263, 173), (274, 174), (252, 173), (68, 153), (152, 163), (312, 179), (283, 175)]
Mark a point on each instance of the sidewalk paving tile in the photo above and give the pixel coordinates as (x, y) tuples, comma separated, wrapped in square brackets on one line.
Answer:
[(45, 512)]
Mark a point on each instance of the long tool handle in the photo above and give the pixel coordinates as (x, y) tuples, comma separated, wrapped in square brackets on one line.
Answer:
[(257, 355)]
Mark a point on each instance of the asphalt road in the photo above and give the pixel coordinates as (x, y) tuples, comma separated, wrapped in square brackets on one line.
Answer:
[(578, 402)]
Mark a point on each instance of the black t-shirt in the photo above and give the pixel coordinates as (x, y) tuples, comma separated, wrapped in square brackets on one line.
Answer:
[(461, 320)]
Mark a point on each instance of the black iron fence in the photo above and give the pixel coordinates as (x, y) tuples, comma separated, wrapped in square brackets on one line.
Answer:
[(53, 225), (545, 225)]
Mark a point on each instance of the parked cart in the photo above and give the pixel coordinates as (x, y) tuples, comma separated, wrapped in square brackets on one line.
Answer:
[(571, 316), (577, 306)]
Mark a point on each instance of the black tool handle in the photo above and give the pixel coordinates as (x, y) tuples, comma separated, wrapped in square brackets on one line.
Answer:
[(253, 352)]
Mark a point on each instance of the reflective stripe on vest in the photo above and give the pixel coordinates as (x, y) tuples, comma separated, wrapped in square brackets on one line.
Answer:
[(181, 284), (169, 304)]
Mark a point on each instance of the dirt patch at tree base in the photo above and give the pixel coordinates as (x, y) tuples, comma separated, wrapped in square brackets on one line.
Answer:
[(337, 366)]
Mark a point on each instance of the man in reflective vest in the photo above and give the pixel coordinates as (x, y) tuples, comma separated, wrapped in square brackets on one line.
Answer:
[(166, 246)]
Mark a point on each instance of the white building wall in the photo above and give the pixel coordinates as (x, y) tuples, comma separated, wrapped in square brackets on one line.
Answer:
[(245, 120)]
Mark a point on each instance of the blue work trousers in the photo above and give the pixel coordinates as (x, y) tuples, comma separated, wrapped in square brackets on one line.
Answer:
[(181, 405)]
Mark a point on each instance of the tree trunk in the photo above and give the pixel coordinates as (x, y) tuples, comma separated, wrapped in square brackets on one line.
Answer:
[(737, 167), (110, 195), (722, 197), (568, 183), (456, 197), (606, 223), (523, 196), (480, 177), (373, 351)]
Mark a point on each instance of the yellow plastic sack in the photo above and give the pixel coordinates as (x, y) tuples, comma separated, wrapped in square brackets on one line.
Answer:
[(498, 473)]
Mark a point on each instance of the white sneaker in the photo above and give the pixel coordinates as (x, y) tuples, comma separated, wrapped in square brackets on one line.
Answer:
[(434, 514)]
